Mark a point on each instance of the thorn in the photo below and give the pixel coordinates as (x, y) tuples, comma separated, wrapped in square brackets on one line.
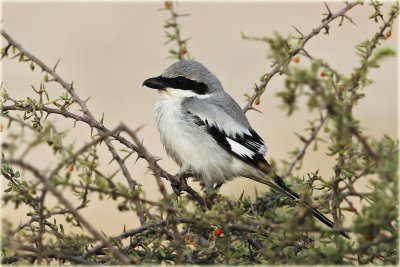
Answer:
[(157, 160), (138, 129), (241, 196), (17, 55), (256, 191), (87, 99), (287, 45), (297, 30), (102, 119), (111, 160), (71, 85), (55, 66), (138, 157), (74, 123), (182, 15), (91, 129), (307, 54), (127, 156), (350, 19), (115, 173), (187, 39), (253, 108), (330, 13), (79, 224)]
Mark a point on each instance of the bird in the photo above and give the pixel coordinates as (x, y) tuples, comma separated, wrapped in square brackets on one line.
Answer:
[(204, 130)]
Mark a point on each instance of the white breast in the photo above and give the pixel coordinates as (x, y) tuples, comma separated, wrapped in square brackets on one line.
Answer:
[(190, 145)]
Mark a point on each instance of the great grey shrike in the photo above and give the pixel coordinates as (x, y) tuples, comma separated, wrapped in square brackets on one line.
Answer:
[(205, 131)]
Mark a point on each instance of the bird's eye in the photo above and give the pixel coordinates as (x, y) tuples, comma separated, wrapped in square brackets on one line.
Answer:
[(180, 81)]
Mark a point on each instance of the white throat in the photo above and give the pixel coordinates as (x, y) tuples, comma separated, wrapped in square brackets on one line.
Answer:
[(171, 93)]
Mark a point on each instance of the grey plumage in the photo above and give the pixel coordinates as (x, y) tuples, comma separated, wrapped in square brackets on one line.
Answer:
[(205, 131)]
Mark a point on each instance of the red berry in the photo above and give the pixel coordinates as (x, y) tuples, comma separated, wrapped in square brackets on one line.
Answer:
[(71, 169), (369, 237), (217, 232), (389, 34), (297, 59), (168, 4), (202, 184), (257, 102), (55, 148), (184, 51), (322, 74)]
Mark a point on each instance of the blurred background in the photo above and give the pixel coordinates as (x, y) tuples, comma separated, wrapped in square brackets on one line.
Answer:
[(108, 49)]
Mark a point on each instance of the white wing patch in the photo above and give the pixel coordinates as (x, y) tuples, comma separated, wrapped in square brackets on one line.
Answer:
[(262, 149), (239, 149)]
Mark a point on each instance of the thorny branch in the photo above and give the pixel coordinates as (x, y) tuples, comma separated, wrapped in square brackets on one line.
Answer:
[(176, 35), (45, 180), (260, 88), (300, 155)]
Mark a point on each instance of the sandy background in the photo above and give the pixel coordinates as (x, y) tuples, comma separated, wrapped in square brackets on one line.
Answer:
[(109, 49)]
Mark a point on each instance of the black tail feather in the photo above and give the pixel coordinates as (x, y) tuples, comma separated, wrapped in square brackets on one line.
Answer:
[(294, 196)]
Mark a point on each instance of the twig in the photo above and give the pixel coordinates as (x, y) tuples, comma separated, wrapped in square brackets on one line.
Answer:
[(41, 225), (299, 156), (52, 254)]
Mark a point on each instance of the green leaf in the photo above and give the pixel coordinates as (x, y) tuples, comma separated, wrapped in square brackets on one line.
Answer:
[(8, 189)]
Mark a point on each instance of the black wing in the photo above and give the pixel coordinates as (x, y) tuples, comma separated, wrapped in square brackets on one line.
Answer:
[(248, 147)]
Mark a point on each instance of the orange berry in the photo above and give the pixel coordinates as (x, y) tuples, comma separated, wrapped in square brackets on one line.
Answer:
[(71, 169), (297, 59), (257, 102), (389, 34), (55, 148), (184, 51), (322, 74), (1, 127), (248, 234), (217, 232), (167, 4)]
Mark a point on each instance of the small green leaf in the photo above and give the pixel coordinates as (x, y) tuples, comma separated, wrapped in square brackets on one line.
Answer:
[(8, 189)]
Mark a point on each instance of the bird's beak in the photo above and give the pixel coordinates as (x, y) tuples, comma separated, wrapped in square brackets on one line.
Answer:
[(155, 83)]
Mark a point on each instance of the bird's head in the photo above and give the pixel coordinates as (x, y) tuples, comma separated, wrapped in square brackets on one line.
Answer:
[(186, 78)]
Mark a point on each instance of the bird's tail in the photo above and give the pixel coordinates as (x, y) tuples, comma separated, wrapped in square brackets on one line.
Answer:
[(280, 186)]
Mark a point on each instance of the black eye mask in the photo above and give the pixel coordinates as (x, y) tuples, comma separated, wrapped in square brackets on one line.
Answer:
[(179, 82)]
